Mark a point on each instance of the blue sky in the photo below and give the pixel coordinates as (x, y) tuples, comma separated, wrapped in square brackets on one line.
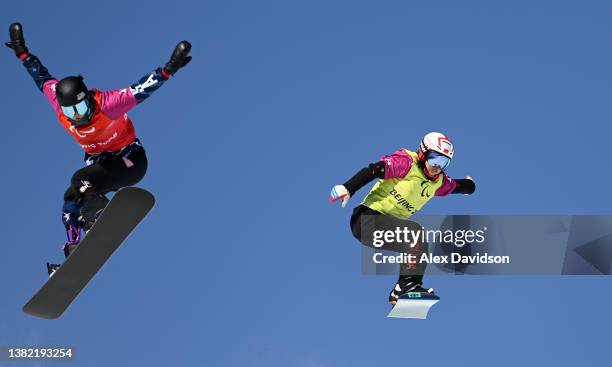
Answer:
[(243, 262)]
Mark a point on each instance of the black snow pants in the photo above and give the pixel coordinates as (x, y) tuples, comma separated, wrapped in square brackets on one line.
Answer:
[(85, 197), (365, 221)]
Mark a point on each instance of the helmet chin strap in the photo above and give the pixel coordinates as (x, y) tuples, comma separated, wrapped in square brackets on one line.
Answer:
[(426, 172), (432, 177)]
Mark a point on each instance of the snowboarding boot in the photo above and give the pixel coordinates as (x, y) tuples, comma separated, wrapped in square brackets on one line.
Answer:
[(74, 238), (52, 268), (406, 284)]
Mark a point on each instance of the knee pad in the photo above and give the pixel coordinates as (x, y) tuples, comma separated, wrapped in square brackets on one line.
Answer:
[(71, 211)]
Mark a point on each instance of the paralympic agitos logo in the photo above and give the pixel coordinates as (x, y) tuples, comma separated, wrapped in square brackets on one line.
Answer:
[(425, 185)]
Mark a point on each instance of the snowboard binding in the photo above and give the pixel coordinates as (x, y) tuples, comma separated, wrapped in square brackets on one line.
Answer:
[(410, 300), (52, 268), (73, 233), (404, 285), (74, 238)]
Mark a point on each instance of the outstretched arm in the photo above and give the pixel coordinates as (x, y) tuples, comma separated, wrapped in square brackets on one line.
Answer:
[(390, 166), (115, 103), (365, 176), (465, 186), (39, 73), (359, 180), (35, 68)]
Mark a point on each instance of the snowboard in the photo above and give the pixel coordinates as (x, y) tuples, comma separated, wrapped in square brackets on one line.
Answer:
[(413, 305), (124, 212)]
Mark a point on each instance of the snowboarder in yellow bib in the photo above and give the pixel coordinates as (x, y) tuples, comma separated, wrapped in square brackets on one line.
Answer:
[(407, 181)]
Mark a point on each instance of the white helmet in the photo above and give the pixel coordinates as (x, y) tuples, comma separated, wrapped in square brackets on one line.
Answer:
[(437, 142)]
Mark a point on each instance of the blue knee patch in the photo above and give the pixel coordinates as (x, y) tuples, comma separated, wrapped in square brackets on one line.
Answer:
[(71, 213)]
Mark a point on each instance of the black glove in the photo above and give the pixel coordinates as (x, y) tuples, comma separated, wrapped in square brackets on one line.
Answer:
[(17, 43), (179, 58)]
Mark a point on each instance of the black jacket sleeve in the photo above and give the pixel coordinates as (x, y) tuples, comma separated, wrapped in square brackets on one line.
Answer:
[(464, 186), (365, 176)]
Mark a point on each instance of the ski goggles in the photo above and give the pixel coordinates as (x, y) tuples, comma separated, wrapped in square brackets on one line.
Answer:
[(438, 160), (76, 112)]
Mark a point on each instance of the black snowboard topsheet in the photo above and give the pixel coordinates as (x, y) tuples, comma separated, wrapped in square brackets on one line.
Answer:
[(126, 209)]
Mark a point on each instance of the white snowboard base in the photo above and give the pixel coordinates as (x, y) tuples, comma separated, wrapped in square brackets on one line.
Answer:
[(413, 306)]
